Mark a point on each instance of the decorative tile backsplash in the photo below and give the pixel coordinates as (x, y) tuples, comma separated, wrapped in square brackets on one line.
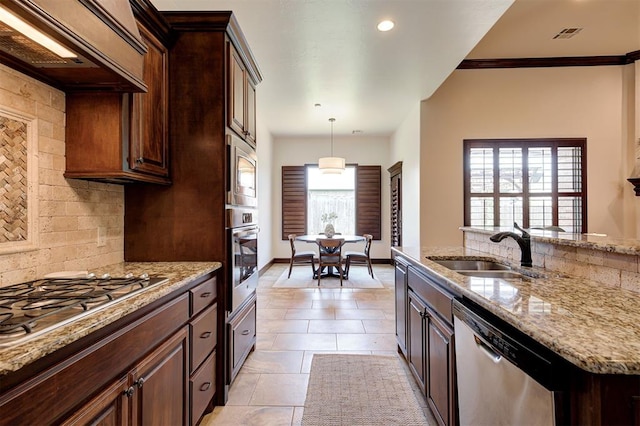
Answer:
[(53, 222), (14, 221)]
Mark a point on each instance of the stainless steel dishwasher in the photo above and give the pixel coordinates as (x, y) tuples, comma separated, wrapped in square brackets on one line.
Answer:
[(500, 375)]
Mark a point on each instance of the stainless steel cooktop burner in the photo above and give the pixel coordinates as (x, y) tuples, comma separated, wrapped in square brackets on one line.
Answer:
[(35, 307)]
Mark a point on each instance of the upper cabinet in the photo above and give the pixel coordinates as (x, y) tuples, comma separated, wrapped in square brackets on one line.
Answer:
[(241, 115), (123, 137)]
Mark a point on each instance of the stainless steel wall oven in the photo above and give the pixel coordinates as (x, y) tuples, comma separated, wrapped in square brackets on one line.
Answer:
[(242, 230)]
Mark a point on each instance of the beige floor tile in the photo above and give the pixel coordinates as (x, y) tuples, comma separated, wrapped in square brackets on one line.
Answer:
[(372, 342), (336, 326), (273, 362), (305, 342), (280, 389), (249, 416), (320, 313), (297, 416), (337, 304), (376, 304), (282, 326), (379, 326), (292, 303), (308, 357), (279, 313), (264, 341), (360, 314), (242, 388)]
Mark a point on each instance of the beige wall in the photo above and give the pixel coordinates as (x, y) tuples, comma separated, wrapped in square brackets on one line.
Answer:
[(365, 150), (405, 147), (585, 102), (265, 195), (69, 212)]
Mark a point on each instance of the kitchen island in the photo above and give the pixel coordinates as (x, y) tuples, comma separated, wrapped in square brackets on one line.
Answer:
[(591, 324), (163, 335)]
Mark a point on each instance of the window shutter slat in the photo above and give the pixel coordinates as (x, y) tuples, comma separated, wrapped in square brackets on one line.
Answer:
[(294, 200), (368, 201)]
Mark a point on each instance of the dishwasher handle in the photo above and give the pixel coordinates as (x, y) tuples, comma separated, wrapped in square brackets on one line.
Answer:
[(487, 350)]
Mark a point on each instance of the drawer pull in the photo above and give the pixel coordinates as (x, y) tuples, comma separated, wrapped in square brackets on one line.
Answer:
[(245, 332), (205, 295), (129, 392), (205, 386), (205, 335)]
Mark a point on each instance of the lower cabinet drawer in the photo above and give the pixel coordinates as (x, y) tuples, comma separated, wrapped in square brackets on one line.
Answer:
[(203, 387), (243, 337), (203, 336)]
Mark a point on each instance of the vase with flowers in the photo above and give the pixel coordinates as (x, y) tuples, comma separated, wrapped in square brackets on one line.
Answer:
[(328, 219)]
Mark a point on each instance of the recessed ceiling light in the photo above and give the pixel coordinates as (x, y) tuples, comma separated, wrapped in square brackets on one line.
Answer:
[(385, 25), (355, 132), (317, 105)]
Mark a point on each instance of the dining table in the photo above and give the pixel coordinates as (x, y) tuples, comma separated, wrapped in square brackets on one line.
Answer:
[(312, 238)]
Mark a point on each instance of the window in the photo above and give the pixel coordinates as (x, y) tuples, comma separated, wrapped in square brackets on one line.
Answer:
[(331, 199), (298, 192), (534, 182)]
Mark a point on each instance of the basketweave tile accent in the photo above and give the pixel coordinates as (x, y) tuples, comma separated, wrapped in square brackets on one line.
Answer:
[(14, 222)]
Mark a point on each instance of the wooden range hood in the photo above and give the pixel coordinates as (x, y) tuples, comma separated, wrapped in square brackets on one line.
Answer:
[(102, 33)]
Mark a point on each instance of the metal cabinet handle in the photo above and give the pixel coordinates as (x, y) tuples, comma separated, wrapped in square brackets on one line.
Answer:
[(205, 335), (139, 382), (245, 332), (139, 160), (204, 295), (205, 386), (129, 392)]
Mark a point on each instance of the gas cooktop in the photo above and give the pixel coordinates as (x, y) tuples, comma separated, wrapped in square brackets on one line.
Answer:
[(32, 308)]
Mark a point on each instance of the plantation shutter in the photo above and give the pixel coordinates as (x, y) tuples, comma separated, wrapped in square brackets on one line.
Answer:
[(294, 201), (368, 201)]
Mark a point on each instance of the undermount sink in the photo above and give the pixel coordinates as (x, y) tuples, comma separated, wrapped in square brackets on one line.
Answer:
[(472, 265), (491, 274)]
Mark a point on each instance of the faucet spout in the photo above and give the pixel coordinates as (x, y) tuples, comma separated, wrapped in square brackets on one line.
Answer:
[(523, 241)]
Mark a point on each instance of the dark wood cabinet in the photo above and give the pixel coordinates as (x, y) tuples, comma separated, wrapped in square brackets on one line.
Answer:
[(440, 379), (149, 146), (160, 387), (426, 309), (123, 137), (242, 336), (241, 98), (417, 339), (401, 300), (133, 371)]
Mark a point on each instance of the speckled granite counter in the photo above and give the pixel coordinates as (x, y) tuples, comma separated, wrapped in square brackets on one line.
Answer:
[(178, 274), (595, 327)]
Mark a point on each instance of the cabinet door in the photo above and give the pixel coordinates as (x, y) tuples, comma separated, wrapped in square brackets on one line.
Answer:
[(161, 384), (401, 305), (109, 408), (242, 335), (149, 129), (251, 111), (440, 377), (416, 348), (237, 92)]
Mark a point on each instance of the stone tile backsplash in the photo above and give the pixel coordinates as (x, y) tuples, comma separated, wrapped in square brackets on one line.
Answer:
[(603, 266), (69, 213)]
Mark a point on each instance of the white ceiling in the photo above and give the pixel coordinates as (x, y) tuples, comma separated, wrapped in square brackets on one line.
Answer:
[(329, 51)]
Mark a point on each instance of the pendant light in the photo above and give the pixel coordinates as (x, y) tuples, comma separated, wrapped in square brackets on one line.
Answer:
[(331, 165)]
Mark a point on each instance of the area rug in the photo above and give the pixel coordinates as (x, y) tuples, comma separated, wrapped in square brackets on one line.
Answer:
[(301, 277), (360, 390)]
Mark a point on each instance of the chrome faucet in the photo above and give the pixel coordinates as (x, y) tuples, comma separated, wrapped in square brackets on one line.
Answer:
[(523, 241)]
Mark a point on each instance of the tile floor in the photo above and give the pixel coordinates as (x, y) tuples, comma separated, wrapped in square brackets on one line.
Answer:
[(293, 324)]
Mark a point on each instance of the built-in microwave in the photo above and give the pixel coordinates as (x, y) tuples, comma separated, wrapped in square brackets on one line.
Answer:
[(243, 177)]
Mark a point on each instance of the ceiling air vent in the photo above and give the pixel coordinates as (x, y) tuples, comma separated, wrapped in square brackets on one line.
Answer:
[(567, 33)]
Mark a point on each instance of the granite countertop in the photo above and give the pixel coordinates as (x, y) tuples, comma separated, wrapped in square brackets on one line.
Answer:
[(595, 327), (14, 357)]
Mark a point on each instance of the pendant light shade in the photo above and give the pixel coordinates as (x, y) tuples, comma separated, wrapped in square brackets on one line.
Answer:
[(331, 165)]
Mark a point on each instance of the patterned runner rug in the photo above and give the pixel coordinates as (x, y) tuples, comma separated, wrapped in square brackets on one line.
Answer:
[(361, 390), (302, 276)]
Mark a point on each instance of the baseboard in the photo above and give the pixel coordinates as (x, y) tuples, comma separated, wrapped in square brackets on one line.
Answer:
[(267, 266)]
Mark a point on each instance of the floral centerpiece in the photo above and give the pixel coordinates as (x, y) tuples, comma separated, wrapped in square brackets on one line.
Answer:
[(328, 218)]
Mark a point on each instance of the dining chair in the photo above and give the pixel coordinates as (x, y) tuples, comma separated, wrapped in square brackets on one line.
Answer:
[(300, 257), (360, 257), (330, 255)]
